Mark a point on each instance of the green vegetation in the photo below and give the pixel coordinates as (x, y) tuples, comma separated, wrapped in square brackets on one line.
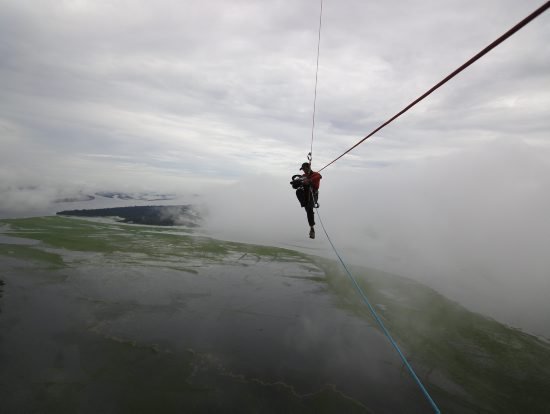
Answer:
[(117, 367), (31, 253), (499, 368), (121, 239), (493, 368), (2, 283)]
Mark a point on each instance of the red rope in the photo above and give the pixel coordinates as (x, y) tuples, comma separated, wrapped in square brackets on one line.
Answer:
[(501, 39)]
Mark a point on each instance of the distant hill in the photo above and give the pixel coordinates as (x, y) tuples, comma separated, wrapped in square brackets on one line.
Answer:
[(182, 215)]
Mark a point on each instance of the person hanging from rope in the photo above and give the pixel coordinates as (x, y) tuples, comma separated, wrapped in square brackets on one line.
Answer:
[(307, 192)]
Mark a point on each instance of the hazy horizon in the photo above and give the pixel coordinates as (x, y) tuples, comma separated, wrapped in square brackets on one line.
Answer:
[(466, 225), (213, 103)]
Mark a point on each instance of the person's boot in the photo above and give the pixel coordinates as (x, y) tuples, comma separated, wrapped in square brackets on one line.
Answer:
[(312, 233)]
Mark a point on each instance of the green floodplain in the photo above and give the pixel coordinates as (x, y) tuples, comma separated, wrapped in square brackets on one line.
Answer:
[(100, 316)]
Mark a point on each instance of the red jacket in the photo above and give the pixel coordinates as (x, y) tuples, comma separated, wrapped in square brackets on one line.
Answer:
[(314, 178)]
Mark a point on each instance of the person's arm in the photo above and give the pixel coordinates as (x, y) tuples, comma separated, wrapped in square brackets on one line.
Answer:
[(315, 180)]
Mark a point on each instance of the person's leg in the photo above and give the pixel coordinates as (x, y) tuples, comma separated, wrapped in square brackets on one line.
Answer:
[(300, 194), (310, 216), (311, 221)]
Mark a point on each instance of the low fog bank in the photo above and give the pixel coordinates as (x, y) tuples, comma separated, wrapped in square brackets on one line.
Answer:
[(46, 200), (472, 225), (33, 196)]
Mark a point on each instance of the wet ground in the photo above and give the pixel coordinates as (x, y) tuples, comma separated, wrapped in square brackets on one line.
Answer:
[(98, 317)]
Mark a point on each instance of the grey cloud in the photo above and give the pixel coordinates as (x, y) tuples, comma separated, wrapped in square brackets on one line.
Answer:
[(226, 89)]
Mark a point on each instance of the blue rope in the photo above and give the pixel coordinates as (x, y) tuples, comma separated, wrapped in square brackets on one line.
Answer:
[(380, 323), (376, 317)]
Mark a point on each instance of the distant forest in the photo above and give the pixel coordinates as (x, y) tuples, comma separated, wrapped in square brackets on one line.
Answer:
[(151, 215)]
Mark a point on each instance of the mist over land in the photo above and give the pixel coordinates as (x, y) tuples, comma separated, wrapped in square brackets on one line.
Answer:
[(209, 104), (133, 316), (454, 194), (410, 222), (149, 215), (472, 224)]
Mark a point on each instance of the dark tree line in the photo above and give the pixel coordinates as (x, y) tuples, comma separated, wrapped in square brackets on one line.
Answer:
[(152, 215)]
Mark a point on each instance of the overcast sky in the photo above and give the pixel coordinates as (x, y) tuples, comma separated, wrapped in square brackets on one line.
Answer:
[(96, 91), (139, 95)]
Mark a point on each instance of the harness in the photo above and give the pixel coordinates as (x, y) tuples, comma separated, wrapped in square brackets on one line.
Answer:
[(297, 183)]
